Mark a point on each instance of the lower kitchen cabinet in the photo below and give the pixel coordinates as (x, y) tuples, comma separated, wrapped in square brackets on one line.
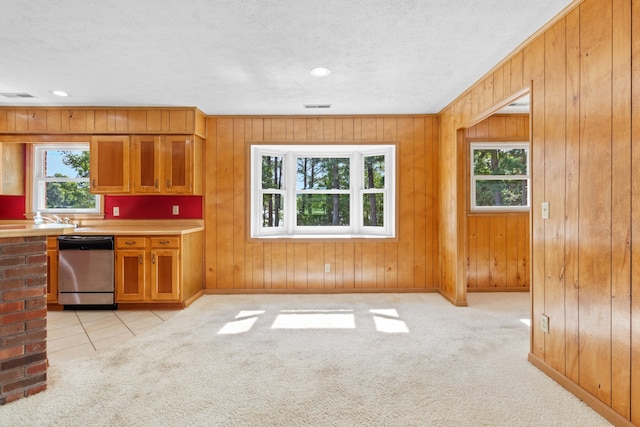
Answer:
[(159, 268), (131, 269), (52, 269), (165, 269)]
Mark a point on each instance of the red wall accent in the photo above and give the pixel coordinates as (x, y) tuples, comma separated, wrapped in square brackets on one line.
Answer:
[(12, 207), (131, 207), (153, 207)]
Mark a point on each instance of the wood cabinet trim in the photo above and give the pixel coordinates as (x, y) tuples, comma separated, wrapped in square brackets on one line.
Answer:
[(88, 120)]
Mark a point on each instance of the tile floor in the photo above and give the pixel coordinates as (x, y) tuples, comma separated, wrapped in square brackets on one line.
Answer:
[(72, 334)]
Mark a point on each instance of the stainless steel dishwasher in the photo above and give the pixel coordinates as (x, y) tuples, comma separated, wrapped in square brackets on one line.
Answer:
[(86, 272)]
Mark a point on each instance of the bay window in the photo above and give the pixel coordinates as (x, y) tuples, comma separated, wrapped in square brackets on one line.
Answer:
[(322, 191)]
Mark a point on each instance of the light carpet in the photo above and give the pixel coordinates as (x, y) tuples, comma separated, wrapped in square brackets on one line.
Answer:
[(315, 360)]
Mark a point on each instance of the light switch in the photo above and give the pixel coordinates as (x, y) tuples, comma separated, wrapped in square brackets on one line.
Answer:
[(545, 210), (176, 210)]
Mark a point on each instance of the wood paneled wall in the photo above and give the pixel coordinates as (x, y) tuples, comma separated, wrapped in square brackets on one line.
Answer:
[(53, 120), (235, 264), (498, 252), (584, 74), (497, 244)]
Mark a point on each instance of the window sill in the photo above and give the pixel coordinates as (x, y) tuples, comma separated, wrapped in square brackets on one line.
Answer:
[(71, 216), (323, 238)]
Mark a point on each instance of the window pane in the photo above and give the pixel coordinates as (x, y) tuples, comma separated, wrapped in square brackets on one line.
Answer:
[(374, 172), (495, 161), (373, 210), (272, 210), (501, 193), (68, 195), (323, 210), (66, 163), (322, 173), (272, 172)]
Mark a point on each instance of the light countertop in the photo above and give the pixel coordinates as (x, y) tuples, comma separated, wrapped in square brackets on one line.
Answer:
[(139, 230), (93, 228), (30, 230)]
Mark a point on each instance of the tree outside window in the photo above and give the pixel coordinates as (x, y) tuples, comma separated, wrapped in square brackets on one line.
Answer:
[(318, 190), (61, 180), (499, 176)]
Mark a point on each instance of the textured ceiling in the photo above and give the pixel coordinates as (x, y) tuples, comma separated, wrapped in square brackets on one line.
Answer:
[(254, 56)]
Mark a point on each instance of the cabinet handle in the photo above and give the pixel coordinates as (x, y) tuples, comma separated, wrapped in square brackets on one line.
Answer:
[(164, 242), (153, 259), (94, 183), (168, 184), (129, 242), (139, 259), (156, 183)]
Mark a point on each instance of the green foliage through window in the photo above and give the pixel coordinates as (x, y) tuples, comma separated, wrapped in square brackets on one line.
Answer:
[(315, 189), (70, 194), (500, 175), (61, 179)]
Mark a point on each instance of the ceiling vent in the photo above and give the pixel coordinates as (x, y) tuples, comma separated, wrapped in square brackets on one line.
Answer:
[(17, 95), (317, 106)]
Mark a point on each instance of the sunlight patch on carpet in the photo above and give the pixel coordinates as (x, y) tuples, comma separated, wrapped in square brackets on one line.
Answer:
[(387, 321), (389, 312), (390, 326), (237, 326), (322, 319), (249, 313)]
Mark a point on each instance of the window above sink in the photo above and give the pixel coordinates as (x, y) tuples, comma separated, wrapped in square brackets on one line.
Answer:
[(60, 182)]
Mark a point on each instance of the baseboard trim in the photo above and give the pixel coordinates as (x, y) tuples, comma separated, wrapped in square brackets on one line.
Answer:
[(593, 402), (191, 300), (455, 302), (150, 306), (317, 291), (499, 289)]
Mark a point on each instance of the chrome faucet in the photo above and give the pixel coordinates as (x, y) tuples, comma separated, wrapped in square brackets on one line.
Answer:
[(57, 219)]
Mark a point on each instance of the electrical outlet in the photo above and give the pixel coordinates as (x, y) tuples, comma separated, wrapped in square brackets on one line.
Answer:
[(327, 268), (544, 323), (116, 211), (545, 210), (176, 210)]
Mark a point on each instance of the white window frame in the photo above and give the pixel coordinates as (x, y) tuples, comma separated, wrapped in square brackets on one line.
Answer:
[(356, 154), (39, 179), (500, 146)]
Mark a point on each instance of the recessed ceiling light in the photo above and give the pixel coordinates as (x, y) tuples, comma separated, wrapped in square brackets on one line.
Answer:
[(59, 93), (320, 72)]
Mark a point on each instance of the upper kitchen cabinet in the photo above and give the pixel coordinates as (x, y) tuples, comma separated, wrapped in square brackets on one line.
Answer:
[(178, 166), (146, 164), (169, 164), (109, 164), (11, 169)]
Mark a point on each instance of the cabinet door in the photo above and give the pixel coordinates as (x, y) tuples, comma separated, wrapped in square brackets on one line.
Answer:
[(145, 164), (12, 168), (165, 274), (130, 275), (52, 270), (178, 172), (109, 164)]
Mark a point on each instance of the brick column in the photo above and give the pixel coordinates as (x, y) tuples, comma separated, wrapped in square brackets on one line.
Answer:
[(23, 317)]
